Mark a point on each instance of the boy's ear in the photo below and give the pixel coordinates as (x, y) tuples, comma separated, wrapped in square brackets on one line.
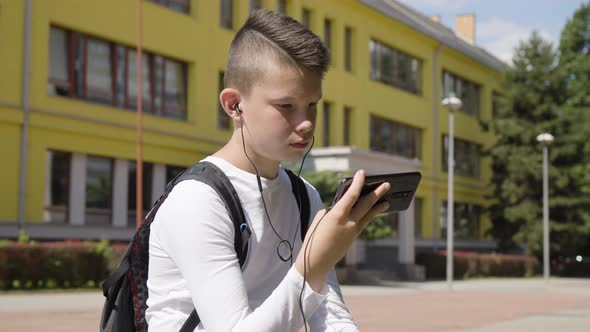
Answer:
[(228, 98)]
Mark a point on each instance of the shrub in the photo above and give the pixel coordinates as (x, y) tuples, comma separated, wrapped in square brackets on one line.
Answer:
[(472, 265), (57, 264)]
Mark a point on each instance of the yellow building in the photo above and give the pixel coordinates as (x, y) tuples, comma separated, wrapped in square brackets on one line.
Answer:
[(68, 94)]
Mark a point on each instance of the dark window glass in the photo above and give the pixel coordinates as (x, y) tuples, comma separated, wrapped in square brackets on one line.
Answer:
[(418, 230), (467, 91), (99, 84), (282, 7), (306, 18), (173, 171), (347, 125), (467, 157), (159, 73), (223, 120), (496, 104), (181, 6), (326, 124), (175, 89), (98, 190), (121, 79), (328, 35), (59, 82), (227, 14), (146, 199), (396, 68), (395, 138), (56, 205), (255, 5), (348, 49), (467, 219), (132, 81)]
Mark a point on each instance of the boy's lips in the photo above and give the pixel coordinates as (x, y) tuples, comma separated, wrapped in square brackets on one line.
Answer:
[(300, 144)]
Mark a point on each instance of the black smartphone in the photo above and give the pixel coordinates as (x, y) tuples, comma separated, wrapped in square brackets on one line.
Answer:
[(402, 189)]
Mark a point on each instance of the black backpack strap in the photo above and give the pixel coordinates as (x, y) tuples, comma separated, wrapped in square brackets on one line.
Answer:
[(211, 175), (300, 193)]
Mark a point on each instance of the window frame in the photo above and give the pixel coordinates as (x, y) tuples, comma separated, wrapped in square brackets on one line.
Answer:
[(459, 145), (77, 82), (413, 137), (226, 20), (393, 77), (48, 206), (326, 114), (100, 211), (348, 49)]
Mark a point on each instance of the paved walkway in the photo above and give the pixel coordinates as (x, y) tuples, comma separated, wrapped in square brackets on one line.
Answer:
[(492, 305)]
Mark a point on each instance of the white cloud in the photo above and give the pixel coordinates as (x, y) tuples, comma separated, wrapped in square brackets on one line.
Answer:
[(500, 37), (438, 4)]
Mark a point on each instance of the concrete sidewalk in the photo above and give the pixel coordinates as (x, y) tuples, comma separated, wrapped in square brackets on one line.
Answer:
[(489, 305)]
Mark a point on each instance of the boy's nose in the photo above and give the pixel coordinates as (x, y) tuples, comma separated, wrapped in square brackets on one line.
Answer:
[(304, 127)]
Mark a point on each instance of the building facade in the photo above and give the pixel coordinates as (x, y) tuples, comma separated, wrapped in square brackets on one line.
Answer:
[(68, 100)]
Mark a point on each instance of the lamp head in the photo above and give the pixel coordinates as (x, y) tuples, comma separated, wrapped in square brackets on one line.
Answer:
[(545, 138), (452, 103)]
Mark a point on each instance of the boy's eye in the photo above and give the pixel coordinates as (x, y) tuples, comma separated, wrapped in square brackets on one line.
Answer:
[(285, 106)]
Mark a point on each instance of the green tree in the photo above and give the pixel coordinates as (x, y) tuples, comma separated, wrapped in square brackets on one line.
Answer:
[(573, 162), (528, 107), (327, 184)]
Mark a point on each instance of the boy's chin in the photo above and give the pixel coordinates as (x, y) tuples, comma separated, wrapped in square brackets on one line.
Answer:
[(293, 156)]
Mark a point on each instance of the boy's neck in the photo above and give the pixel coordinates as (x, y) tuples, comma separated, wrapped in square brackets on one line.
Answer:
[(233, 152)]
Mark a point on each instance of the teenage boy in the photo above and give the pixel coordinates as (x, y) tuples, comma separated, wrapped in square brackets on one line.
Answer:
[(273, 83)]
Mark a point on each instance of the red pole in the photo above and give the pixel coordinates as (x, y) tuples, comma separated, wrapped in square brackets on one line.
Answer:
[(139, 71)]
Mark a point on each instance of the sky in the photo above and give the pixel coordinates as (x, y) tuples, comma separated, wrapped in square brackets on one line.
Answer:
[(501, 24)]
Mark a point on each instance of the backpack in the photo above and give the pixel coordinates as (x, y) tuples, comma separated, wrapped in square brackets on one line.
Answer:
[(126, 290)]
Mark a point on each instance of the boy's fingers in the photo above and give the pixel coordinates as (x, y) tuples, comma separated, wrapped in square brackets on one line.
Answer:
[(366, 202), (377, 209), (352, 194)]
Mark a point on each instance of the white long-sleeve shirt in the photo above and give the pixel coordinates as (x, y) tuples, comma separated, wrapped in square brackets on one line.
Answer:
[(193, 264)]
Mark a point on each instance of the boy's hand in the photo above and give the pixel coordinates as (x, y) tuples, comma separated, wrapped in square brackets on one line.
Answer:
[(328, 241)]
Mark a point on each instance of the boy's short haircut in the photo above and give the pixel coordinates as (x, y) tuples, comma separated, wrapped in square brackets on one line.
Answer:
[(268, 37)]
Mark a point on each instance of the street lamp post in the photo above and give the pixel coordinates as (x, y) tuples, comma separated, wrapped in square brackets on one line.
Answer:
[(546, 139), (453, 104)]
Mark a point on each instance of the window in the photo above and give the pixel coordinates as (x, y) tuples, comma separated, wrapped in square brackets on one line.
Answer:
[(326, 124), (306, 18), (496, 104), (467, 91), (174, 88), (418, 231), (223, 120), (227, 14), (181, 6), (467, 157), (395, 138), (59, 45), (58, 193), (396, 68), (147, 169), (102, 72), (255, 5), (98, 190), (466, 218), (173, 171), (347, 125), (328, 36), (132, 83), (348, 49), (282, 7), (98, 76)]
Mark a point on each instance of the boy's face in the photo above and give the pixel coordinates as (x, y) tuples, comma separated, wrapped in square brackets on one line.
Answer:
[(280, 112)]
